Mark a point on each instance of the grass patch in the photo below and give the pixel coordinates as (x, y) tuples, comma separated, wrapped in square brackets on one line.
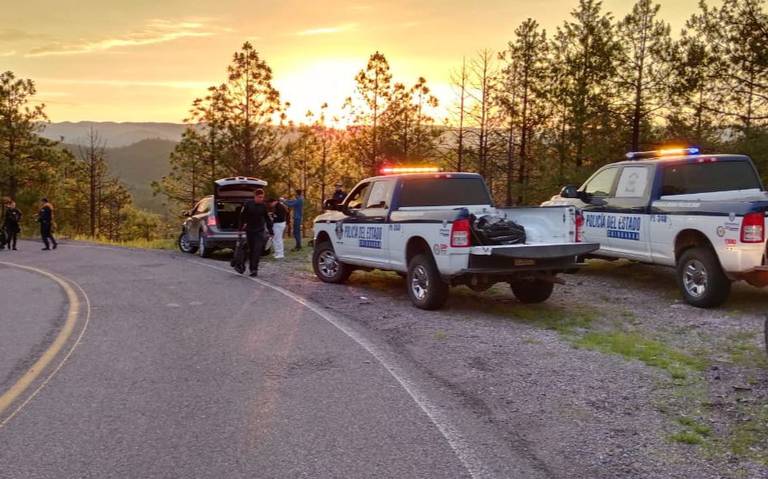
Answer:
[(694, 426), (749, 438), (649, 351), (165, 244), (743, 350), (687, 437), (566, 322)]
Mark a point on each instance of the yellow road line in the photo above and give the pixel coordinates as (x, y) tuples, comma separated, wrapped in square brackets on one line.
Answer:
[(12, 394)]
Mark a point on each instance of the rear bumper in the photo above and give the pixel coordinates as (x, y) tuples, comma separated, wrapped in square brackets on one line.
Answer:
[(500, 260), (756, 277), (222, 239)]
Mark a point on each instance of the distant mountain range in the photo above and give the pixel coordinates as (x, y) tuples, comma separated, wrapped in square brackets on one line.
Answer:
[(114, 134), (137, 165)]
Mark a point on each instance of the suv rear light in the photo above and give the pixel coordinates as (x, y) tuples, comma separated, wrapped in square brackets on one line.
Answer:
[(211, 221), (461, 234), (579, 227), (753, 228)]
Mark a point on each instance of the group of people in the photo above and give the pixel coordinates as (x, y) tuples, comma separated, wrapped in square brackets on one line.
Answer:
[(11, 225), (264, 219)]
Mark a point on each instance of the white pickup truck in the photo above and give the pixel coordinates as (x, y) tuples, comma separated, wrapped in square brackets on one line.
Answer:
[(703, 214), (421, 226)]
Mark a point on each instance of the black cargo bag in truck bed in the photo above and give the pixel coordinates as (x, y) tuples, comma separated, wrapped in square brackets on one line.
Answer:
[(495, 230)]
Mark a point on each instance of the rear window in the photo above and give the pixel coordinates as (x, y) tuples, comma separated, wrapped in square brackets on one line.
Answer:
[(444, 192), (692, 178)]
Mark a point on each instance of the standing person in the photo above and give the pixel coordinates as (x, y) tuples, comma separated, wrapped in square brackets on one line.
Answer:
[(339, 194), (45, 218), (279, 218), (255, 220), (297, 204), (11, 223)]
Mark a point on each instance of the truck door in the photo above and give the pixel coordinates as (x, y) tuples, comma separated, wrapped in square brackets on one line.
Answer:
[(629, 224), (365, 233), (599, 190)]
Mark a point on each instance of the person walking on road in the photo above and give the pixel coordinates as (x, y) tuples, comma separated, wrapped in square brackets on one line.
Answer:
[(45, 218), (279, 218), (255, 220), (297, 204), (12, 224)]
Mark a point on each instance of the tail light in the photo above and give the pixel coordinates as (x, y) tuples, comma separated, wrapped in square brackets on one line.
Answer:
[(753, 228), (211, 221), (579, 227), (461, 234)]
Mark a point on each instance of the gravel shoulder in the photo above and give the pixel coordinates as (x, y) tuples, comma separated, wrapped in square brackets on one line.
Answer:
[(613, 377)]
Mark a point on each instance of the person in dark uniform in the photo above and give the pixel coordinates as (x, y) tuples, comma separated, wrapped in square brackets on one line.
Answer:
[(255, 220), (45, 218), (339, 194), (11, 223)]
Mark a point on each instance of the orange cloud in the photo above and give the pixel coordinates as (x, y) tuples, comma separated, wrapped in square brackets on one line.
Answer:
[(327, 30), (155, 31)]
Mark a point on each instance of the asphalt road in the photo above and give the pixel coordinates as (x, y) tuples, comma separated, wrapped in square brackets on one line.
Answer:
[(170, 367)]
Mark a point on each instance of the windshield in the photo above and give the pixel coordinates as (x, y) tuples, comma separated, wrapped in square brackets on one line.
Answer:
[(443, 191), (692, 178)]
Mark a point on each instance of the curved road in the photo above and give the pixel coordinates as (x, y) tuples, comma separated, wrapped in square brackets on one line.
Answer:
[(174, 367)]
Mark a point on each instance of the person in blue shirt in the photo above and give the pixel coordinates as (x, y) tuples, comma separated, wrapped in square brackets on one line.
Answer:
[(297, 205)]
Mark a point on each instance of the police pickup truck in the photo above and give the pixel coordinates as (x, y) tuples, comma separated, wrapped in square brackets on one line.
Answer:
[(702, 214), (421, 226)]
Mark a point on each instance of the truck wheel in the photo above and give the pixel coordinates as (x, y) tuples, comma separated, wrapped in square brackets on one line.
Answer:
[(701, 278), (532, 291), (202, 248), (184, 245), (425, 286), (327, 266)]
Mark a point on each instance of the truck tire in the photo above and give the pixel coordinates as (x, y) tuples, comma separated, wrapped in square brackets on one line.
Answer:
[(203, 250), (532, 291), (426, 288), (327, 266), (184, 245), (701, 278)]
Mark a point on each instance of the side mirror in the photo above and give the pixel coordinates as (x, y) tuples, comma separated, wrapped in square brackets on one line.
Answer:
[(569, 191), (332, 205)]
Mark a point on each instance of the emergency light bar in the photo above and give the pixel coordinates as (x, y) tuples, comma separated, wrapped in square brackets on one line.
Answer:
[(394, 170), (642, 155)]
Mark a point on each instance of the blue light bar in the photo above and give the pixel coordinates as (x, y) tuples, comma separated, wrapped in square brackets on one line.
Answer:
[(640, 155)]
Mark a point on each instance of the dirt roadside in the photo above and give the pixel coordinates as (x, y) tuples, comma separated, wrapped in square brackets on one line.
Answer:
[(613, 377)]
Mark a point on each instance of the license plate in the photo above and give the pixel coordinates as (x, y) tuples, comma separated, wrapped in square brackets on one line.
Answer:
[(524, 262)]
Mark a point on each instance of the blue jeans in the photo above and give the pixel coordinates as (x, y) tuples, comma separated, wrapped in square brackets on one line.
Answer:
[(297, 233)]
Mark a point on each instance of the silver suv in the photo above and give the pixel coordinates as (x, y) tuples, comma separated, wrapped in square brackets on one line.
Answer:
[(213, 222)]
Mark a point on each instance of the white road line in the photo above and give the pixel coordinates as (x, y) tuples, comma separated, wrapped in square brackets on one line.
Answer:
[(463, 450), (458, 444)]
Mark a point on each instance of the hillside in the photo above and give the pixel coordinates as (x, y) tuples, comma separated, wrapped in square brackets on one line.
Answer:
[(115, 134), (137, 166)]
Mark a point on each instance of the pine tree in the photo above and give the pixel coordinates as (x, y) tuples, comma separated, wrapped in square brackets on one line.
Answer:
[(252, 106), (585, 51), (643, 67)]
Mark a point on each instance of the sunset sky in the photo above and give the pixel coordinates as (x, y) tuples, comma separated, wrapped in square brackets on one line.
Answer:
[(146, 60)]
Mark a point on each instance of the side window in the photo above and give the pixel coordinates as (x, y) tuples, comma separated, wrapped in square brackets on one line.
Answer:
[(633, 182), (601, 184), (380, 196), (358, 197)]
